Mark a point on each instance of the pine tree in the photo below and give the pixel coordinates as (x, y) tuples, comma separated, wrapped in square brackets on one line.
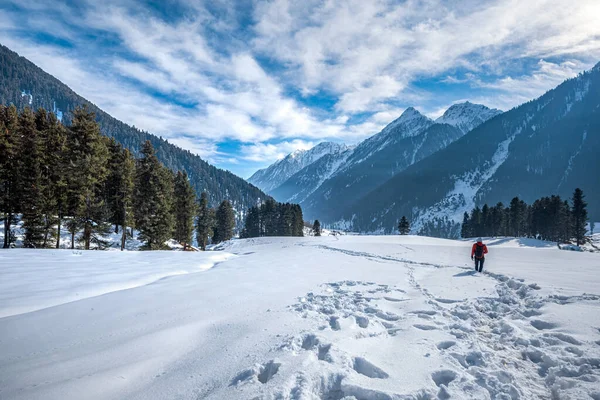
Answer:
[(465, 229), (486, 221), (124, 190), (225, 222), (579, 216), (54, 139), (517, 217), (476, 222), (153, 200), (497, 215), (87, 174), (404, 226), (565, 222), (317, 228), (30, 180), (297, 221), (204, 223), (184, 209), (9, 169)]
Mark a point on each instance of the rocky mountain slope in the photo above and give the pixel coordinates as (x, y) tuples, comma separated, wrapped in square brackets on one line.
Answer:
[(546, 146)]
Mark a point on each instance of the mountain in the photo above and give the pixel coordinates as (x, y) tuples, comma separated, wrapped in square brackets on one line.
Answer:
[(273, 176), (25, 85), (304, 182), (546, 146), (467, 116), (405, 141)]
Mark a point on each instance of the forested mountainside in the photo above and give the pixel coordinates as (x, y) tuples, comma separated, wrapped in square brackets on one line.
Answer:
[(546, 146), (332, 183), (24, 84)]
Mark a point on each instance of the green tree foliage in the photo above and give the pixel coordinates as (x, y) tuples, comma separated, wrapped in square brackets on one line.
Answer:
[(205, 222), (30, 180), (54, 139), (9, 169), (225, 222), (465, 228), (153, 200), (274, 219), (579, 216), (317, 228), (19, 74), (87, 173), (184, 209), (119, 188), (404, 226), (548, 218)]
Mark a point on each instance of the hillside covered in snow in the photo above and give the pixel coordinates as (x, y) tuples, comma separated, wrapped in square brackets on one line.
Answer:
[(350, 317)]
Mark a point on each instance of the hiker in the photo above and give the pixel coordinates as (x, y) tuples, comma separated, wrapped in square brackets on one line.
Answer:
[(478, 253)]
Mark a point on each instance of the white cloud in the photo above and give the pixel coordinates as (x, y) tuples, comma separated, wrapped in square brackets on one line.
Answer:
[(367, 55), (267, 153)]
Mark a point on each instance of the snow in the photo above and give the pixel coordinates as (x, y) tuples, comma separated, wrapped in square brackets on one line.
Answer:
[(276, 174), (466, 116), (461, 198), (354, 317)]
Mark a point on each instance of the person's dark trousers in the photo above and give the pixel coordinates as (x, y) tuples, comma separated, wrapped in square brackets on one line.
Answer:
[(479, 264)]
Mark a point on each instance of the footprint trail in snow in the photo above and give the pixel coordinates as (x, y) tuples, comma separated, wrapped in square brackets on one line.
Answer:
[(502, 346)]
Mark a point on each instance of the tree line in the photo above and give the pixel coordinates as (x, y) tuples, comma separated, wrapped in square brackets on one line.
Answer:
[(549, 218), (273, 219), (74, 178)]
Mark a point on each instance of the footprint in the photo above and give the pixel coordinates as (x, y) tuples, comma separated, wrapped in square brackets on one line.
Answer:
[(363, 322), (309, 341), (424, 312), (267, 371), (323, 353), (447, 301), (542, 325), (393, 299), (243, 376), (531, 313), (565, 338), (424, 327), (446, 345), (365, 368), (443, 377), (388, 316), (334, 323)]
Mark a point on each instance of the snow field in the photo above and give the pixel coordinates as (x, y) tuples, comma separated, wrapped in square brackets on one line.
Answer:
[(351, 317)]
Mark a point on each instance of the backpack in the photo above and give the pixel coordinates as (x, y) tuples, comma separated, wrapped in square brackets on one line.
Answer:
[(479, 251)]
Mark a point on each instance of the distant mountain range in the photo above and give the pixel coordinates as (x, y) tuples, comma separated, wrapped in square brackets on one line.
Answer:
[(25, 85), (434, 171)]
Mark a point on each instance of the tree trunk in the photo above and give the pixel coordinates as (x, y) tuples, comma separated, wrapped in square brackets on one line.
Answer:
[(123, 238), (58, 233), (46, 231), (72, 240), (87, 233), (6, 231), (116, 228)]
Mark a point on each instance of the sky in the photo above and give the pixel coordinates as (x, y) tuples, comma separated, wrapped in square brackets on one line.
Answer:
[(243, 83)]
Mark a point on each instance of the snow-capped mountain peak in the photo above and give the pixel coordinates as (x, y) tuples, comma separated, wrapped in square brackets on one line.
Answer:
[(410, 123), (271, 177), (466, 116)]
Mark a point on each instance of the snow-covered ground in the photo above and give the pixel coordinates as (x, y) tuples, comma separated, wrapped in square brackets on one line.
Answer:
[(353, 317)]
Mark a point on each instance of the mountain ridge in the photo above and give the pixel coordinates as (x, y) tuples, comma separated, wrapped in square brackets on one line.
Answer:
[(43, 90)]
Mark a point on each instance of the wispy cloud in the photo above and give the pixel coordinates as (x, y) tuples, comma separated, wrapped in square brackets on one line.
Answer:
[(280, 75)]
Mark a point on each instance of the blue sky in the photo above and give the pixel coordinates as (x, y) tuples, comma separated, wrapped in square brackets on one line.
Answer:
[(242, 83)]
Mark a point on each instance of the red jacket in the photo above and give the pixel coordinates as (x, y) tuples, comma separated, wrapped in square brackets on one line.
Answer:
[(475, 246)]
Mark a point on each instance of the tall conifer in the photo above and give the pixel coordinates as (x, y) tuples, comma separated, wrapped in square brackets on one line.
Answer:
[(184, 209), (153, 203), (579, 216)]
